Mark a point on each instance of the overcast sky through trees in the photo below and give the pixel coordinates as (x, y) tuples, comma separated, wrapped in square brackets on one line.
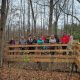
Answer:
[(15, 16)]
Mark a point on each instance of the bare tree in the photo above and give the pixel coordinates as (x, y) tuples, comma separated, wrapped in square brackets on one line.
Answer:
[(4, 11), (28, 30), (78, 1), (33, 17), (50, 17), (24, 19)]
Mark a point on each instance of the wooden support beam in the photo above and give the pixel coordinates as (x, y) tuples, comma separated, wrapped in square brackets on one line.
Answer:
[(41, 58), (35, 45), (27, 51), (77, 61)]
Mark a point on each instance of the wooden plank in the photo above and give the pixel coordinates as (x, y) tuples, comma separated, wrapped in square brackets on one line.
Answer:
[(77, 50), (41, 58), (77, 61), (36, 45), (77, 47), (26, 51)]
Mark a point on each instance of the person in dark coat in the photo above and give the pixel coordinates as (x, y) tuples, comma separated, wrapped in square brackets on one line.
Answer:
[(30, 42), (12, 42), (34, 40), (57, 39)]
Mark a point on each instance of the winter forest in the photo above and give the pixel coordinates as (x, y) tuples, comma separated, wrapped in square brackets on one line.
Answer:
[(39, 39)]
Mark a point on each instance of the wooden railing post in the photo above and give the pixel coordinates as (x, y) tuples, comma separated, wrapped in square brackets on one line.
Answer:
[(77, 51)]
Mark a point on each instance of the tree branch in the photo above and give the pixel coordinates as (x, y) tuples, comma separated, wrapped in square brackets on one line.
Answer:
[(78, 1), (69, 14)]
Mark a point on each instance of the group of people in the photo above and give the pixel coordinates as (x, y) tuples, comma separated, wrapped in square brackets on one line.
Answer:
[(65, 39)]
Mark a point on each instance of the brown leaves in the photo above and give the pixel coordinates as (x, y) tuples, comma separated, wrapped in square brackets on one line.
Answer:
[(22, 74)]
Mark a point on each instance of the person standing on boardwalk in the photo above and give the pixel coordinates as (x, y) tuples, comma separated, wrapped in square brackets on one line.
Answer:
[(52, 40), (22, 41), (64, 40)]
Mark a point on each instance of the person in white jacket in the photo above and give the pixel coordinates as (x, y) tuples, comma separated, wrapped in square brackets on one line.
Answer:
[(71, 40)]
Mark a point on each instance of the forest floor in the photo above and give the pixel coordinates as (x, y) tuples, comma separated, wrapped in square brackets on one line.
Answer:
[(15, 73)]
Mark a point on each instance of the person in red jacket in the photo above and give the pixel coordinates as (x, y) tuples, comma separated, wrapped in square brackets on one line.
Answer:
[(64, 40), (43, 38)]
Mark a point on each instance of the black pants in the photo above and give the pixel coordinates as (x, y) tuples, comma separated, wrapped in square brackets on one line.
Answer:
[(52, 48), (64, 47)]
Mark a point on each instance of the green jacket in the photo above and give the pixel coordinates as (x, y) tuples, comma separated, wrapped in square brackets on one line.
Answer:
[(40, 41)]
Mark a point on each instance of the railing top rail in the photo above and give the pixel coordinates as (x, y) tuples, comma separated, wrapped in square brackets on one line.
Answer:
[(36, 45), (56, 50)]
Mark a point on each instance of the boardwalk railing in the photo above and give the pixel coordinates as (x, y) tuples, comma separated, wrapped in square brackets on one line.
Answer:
[(39, 53)]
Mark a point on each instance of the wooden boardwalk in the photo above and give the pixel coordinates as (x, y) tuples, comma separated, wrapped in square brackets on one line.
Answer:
[(15, 53)]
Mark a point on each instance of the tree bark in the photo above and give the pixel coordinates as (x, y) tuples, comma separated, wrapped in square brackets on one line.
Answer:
[(33, 17), (24, 20), (28, 30), (2, 28), (50, 18)]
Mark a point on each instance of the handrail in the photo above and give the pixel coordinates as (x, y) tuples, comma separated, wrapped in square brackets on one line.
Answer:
[(17, 54), (36, 45)]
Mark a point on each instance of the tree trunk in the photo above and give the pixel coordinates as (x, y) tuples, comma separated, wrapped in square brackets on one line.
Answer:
[(56, 19), (2, 28), (72, 16), (44, 20), (33, 17), (55, 23), (24, 20), (28, 30), (50, 18)]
